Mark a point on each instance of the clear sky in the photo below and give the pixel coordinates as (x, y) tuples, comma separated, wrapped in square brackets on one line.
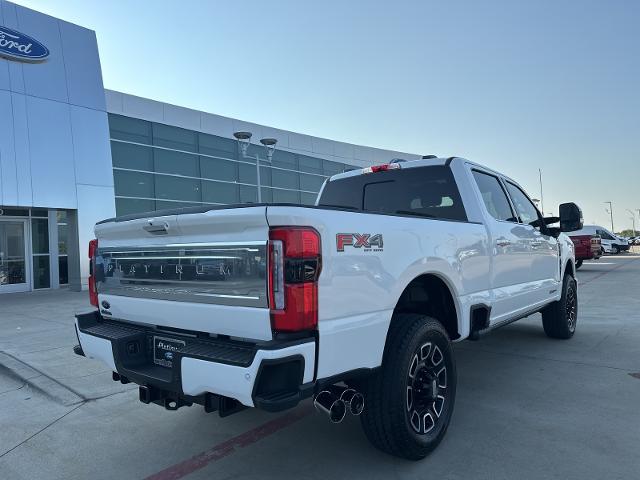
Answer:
[(515, 85)]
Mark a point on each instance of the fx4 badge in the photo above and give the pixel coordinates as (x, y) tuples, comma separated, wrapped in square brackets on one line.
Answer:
[(359, 240)]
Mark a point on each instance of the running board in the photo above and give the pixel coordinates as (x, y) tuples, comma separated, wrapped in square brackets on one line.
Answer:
[(476, 334)]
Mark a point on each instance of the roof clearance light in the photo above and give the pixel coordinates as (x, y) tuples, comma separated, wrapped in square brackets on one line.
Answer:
[(381, 168)]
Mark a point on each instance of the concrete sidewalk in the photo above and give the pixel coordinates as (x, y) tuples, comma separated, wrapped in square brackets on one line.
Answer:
[(37, 336), (41, 379)]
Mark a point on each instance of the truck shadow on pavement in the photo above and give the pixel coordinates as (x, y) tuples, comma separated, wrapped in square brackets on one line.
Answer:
[(492, 412)]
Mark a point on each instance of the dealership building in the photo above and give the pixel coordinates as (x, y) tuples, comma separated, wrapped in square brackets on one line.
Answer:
[(73, 153)]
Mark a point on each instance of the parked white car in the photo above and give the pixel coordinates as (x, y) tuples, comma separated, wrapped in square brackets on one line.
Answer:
[(610, 242), (265, 305)]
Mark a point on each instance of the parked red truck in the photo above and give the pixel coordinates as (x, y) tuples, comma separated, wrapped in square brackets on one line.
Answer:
[(587, 248)]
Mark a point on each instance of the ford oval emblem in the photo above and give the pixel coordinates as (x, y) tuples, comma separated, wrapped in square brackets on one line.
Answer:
[(18, 46), (106, 305)]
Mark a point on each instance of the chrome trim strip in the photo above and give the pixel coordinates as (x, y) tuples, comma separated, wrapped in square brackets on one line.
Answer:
[(218, 273), (154, 247), (194, 257)]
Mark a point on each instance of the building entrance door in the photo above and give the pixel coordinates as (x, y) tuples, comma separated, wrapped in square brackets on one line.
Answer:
[(14, 268)]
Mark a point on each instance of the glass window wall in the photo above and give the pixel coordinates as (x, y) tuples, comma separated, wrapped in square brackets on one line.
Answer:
[(40, 251), (13, 258), (158, 166), (63, 254)]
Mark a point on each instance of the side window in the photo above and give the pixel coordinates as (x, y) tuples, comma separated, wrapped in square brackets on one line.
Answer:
[(429, 192), (526, 209), (494, 197)]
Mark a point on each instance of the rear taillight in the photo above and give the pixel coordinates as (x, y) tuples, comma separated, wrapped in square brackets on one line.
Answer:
[(93, 292), (294, 267)]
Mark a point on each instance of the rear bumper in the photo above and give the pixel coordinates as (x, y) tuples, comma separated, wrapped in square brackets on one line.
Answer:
[(583, 253), (271, 375)]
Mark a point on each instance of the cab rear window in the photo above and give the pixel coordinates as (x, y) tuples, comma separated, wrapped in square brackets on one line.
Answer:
[(429, 192)]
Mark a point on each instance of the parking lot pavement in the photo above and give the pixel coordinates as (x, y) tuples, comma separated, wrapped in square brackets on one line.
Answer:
[(528, 407)]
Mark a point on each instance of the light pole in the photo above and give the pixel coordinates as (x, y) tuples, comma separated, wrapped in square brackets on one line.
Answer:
[(269, 144), (633, 219), (541, 197), (611, 214)]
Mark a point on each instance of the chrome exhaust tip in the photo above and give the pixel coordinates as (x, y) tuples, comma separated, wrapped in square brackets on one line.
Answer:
[(352, 399), (335, 408)]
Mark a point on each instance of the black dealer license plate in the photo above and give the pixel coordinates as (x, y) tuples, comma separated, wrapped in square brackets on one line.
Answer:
[(164, 350)]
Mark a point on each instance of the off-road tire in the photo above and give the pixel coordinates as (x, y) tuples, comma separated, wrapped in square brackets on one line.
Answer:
[(385, 420), (578, 264), (560, 318)]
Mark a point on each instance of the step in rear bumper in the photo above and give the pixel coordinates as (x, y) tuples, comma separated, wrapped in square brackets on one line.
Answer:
[(223, 367)]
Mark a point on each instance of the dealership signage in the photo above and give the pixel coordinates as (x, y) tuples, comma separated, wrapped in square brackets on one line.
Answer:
[(18, 46)]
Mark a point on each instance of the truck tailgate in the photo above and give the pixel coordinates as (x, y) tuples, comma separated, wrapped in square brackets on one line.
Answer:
[(201, 271)]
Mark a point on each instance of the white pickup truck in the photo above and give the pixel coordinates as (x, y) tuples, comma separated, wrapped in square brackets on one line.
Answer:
[(354, 301)]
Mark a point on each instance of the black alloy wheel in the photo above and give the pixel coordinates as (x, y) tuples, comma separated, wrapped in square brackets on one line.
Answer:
[(571, 308), (410, 399), (560, 318), (426, 388)]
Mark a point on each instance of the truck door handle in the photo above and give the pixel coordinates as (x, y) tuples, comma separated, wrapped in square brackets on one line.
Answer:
[(503, 242)]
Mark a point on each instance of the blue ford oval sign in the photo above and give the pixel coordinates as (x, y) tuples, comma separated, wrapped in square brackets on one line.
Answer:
[(18, 46)]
